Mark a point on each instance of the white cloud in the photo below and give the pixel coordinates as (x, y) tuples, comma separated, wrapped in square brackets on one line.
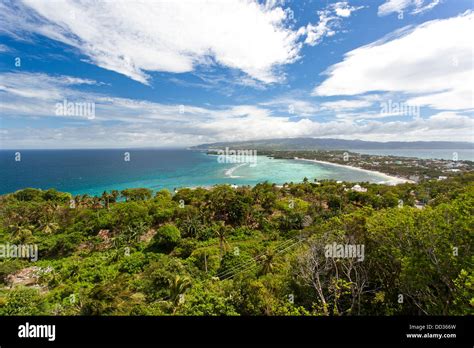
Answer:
[(343, 9), (451, 116), (430, 63), (461, 98), (329, 22), (316, 32), (4, 48), (36, 94), (399, 6), (290, 106), (249, 126), (121, 122), (346, 104), (136, 37)]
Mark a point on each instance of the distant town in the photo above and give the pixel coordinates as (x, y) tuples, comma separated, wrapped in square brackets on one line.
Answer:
[(409, 168)]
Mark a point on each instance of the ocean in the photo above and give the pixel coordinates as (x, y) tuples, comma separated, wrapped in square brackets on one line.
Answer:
[(94, 171)]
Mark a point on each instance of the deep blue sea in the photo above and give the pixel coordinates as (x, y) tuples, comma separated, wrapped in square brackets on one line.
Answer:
[(95, 171)]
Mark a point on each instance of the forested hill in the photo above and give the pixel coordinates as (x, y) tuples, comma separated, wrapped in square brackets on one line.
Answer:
[(333, 144), (261, 250)]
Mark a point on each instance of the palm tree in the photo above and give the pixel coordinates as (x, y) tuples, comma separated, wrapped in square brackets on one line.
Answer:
[(85, 200), (23, 234), (106, 199), (50, 227), (221, 232), (268, 262), (114, 195), (77, 201), (192, 226), (96, 203), (178, 286)]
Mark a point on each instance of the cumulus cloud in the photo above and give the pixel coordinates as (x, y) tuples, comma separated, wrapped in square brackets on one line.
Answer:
[(134, 38), (399, 6), (431, 64)]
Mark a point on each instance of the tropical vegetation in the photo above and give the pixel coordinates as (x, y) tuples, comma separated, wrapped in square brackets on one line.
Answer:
[(242, 251)]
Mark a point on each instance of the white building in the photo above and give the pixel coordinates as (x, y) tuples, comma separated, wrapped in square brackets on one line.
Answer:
[(358, 188)]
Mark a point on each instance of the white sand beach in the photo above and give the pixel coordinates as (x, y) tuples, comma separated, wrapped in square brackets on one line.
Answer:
[(390, 179)]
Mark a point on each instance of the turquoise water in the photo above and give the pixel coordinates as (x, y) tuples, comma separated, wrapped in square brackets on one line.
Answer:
[(281, 171), (95, 171)]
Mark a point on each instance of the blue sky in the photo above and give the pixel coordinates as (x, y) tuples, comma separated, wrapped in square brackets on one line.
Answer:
[(160, 74)]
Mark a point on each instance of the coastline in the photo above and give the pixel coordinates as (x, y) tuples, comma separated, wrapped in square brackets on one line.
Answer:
[(391, 180), (84, 182)]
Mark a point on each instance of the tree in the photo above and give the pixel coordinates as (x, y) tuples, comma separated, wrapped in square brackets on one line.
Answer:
[(106, 197), (114, 195), (208, 298), (178, 286), (167, 237), (23, 234), (420, 254), (28, 194), (220, 201), (268, 262), (50, 227), (162, 207), (265, 195), (56, 196), (339, 282), (233, 264), (136, 194), (130, 214), (221, 232)]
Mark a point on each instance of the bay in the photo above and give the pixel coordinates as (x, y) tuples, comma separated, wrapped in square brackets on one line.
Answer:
[(94, 171)]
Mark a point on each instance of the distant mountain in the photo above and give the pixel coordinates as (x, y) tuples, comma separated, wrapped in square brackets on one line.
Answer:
[(333, 144)]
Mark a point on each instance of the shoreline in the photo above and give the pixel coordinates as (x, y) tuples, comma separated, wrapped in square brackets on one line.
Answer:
[(387, 179), (391, 180)]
